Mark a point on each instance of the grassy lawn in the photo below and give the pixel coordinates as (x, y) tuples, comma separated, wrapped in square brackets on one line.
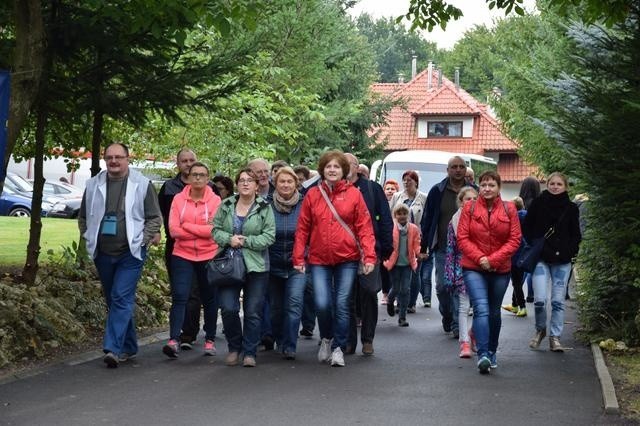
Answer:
[(14, 236), (625, 372)]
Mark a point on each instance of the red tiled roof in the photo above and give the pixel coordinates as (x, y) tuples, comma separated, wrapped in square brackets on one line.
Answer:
[(420, 100), (512, 169)]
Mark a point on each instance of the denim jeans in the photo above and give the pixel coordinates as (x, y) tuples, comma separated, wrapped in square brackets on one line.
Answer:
[(182, 272), (332, 286), (558, 275), (286, 295), (364, 299), (446, 304), (425, 269), (253, 291), (308, 306), (486, 291), (401, 280), (119, 276)]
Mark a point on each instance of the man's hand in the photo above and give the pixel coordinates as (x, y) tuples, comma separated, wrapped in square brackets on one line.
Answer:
[(368, 268), (299, 268), (156, 239)]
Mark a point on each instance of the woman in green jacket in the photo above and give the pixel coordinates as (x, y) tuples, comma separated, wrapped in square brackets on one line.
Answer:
[(245, 223)]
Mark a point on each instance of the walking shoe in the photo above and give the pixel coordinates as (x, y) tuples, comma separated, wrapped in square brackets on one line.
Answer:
[(455, 333), (510, 308), (324, 353), (350, 349), (493, 359), (534, 343), (465, 350), (209, 347), (187, 346), (111, 360), (484, 365), (403, 322), (249, 361), (124, 357), (337, 359), (411, 310), (529, 299), (555, 345), (522, 312), (290, 356), (268, 343), (426, 304), (384, 299), (231, 359), (367, 348), (171, 349), (391, 310), (306, 333)]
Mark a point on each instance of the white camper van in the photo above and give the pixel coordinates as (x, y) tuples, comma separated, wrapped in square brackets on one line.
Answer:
[(430, 165)]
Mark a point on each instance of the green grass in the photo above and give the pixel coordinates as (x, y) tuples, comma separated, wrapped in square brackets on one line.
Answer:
[(14, 237)]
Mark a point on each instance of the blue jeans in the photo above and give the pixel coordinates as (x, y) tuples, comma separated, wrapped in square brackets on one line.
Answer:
[(182, 272), (119, 276), (425, 269), (558, 275), (287, 295), (253, 291), (332, 286), (446, 304), (486, 291), (308, 307), (401, 281)]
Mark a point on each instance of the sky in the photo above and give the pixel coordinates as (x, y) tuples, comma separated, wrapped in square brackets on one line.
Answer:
[(476, 12)]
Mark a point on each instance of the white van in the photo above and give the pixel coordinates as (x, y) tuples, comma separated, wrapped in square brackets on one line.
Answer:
[(431, 166)]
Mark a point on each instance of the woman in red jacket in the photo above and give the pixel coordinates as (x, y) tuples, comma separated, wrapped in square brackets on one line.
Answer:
[(190, 224), (488, 236), (333, 252)]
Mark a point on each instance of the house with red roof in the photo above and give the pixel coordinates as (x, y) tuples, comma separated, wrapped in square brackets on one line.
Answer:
[(437, 114)]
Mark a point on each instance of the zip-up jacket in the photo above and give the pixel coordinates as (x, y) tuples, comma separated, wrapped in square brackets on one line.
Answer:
[(259, 229), (494, 234), (380, 214), (329, 243), (413, 249), (280, 252), (191, 223)]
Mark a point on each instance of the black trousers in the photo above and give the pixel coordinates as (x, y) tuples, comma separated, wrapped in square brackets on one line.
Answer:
[(365, 297), (517, 280)]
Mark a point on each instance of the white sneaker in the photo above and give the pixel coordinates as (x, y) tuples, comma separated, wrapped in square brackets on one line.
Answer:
[(325, 350), (337, 358)]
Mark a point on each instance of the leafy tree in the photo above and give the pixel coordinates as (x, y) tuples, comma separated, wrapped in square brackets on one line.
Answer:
[(394, 47)]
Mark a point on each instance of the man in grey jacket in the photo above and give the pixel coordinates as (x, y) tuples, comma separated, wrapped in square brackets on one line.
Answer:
[(119, 217)]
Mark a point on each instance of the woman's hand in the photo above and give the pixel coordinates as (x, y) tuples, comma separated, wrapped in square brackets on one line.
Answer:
[(368, 268), (484, 263), (299, 268), (237, 241)]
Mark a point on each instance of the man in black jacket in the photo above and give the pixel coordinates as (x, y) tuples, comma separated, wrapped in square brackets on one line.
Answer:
[(366, 288)]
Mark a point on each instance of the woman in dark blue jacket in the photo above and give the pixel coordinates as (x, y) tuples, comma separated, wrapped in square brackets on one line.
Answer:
[(286, 284)]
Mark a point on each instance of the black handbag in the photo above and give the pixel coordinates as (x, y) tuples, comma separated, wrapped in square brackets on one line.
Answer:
[(530, 255), (227, 269)]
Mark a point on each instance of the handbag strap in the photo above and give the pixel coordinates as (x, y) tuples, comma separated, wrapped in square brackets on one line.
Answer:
[(552, 228), (338, 218)]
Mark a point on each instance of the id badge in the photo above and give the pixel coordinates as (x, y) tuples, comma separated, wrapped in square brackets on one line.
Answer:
[(109, 224)]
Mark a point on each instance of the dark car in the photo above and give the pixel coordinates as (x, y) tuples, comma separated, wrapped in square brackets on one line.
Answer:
[(66, 209), (14, 204)]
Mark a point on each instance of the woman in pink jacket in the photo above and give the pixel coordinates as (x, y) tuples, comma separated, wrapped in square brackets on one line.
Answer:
[(190, 224), (403, 261), (488, 236)]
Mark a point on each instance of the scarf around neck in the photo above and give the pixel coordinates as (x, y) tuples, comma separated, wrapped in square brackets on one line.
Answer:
[(285, 206)]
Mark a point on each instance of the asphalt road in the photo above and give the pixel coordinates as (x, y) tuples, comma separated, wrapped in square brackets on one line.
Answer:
[(415, 377)]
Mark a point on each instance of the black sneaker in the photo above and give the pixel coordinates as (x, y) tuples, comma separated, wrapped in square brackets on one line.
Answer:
[(187, 346), (391, 310), (306, 333), (111, 360), (456, 333), (411, 310), (403, 322), (268, 343)]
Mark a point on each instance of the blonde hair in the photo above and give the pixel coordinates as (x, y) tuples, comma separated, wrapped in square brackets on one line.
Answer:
[(562, 177), (285, 170), (400, 208), (463, 191), (519, 203)]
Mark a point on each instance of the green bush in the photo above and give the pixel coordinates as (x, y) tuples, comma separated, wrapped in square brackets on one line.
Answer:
[(66, 305)]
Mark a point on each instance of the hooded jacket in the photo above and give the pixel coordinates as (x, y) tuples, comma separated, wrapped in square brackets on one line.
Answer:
[(191, 223)]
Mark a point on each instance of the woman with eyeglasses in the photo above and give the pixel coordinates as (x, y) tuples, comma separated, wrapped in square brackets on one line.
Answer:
[(245, 223), (190, 224)]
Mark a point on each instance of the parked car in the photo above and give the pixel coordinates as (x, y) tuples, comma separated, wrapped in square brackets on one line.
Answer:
[(21, 186), (66, 209), (61, 189), (14, 204)]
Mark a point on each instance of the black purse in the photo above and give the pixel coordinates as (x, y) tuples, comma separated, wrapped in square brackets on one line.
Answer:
[(531, 253), (227, 269)]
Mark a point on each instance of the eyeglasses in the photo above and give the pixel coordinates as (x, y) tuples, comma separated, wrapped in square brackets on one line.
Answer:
[(261, 172), (199, 175), (245, 181), (115, 157)]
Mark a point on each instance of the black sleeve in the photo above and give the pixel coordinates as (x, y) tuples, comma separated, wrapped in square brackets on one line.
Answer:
[(385, 222)]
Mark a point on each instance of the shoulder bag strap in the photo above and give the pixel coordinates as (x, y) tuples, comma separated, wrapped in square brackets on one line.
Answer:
[(338, 218), (552, 228)]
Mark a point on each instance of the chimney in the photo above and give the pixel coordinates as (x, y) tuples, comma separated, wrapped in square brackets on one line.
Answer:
[(457, 78), (400, 77), (430, 75), (414, 66), (439, 76)]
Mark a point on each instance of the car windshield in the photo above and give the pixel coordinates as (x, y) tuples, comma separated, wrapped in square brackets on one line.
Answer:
[(21, 183)]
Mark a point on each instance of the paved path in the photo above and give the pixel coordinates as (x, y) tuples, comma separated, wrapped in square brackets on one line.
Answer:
[(415, 377)]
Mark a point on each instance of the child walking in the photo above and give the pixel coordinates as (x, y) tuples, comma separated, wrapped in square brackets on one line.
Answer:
[(403, 261)]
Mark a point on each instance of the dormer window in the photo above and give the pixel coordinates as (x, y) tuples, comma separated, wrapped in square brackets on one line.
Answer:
[(444, 129)]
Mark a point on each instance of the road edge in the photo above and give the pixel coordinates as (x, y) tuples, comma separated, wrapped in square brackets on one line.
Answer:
[(606, 383)]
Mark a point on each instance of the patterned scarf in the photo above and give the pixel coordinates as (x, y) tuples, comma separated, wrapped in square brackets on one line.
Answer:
[(285, 206)]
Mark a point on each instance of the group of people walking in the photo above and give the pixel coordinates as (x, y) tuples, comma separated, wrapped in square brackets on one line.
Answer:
[(337, 236)]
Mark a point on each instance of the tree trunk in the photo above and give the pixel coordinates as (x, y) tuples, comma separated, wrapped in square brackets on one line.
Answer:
[(33, 248), (27, 69), (96, 141)]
